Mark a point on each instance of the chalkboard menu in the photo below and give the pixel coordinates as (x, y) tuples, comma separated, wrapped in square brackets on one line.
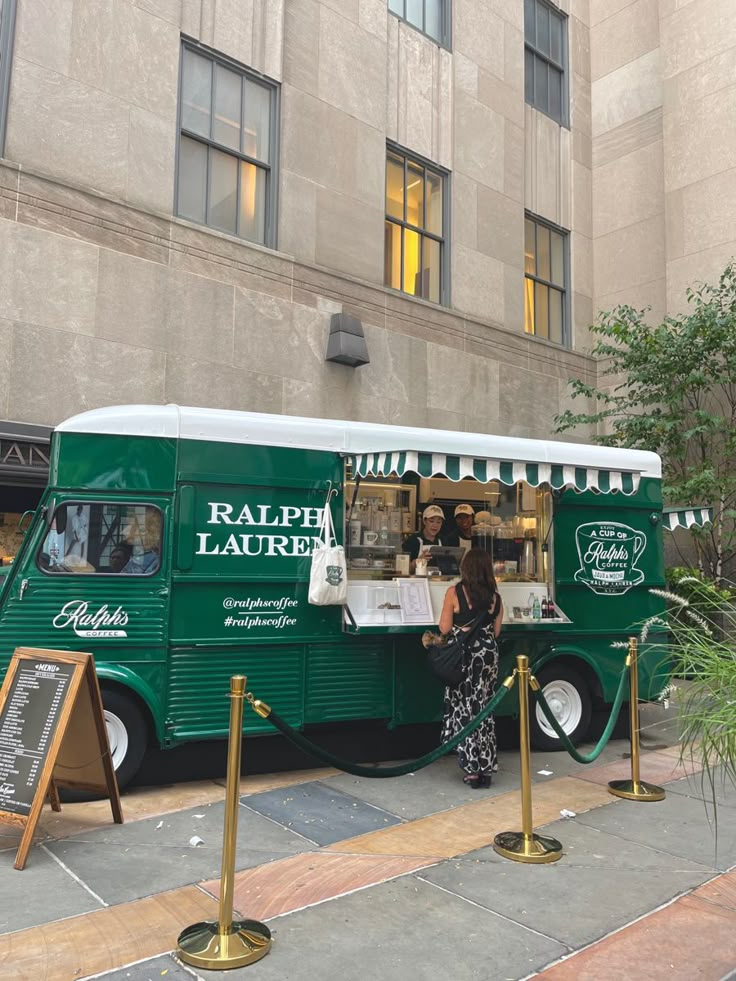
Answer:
[(28, 722), (52, 733)]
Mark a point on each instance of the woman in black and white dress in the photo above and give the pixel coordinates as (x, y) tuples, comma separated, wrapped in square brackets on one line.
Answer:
[(475, 592)]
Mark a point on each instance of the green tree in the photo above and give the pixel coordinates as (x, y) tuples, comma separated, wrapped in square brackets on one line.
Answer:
[(673, 391)]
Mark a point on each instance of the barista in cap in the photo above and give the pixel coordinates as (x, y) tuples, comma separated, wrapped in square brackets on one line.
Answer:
[(432, 518), (460, 536)]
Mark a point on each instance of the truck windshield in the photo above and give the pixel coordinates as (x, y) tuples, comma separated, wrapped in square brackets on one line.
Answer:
[(101, 538)]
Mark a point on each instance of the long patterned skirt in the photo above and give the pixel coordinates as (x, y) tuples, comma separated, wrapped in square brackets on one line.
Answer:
[(477, 753)]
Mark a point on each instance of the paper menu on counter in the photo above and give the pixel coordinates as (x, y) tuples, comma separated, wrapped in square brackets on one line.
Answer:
[(415, 601)]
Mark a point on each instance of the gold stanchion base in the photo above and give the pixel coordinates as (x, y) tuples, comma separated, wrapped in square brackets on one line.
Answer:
[(635, 791), (202, 944), (519, 847)]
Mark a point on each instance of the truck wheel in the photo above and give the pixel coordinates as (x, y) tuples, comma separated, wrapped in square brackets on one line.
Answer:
[(569, 698), (127, 733)]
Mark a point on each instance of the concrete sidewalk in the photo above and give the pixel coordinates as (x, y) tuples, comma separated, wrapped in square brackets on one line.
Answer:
[(380, 879)]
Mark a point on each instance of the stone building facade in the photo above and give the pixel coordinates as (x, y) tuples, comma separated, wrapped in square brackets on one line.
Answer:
[(109, 293)]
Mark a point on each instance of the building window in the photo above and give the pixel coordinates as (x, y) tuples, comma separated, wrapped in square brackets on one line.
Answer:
[(227, 134), (545, 290), (545, 57), (7, 24), (431, 17), (416, 202)]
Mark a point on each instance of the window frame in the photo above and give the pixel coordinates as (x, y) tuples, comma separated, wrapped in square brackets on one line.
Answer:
[(445, 39), (563, 66), (566, 339), (271, 168), (7, 32), (70, 573), (443, 240)]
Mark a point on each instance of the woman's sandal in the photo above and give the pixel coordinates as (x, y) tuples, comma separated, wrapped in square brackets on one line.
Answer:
[(477, 781)]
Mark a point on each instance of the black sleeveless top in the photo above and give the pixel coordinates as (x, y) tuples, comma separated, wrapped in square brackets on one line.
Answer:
[(466, 614)]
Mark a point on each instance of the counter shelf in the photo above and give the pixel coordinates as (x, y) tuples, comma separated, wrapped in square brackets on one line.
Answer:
[(375, 604), (371, 548)]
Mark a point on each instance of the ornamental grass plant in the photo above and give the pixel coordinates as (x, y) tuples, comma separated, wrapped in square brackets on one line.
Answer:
[(702, 649)]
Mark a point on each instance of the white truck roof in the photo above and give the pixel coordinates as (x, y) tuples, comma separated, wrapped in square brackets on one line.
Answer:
[(350, 438)]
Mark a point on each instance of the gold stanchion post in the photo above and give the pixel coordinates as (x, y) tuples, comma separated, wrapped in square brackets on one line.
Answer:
[(634, 789), (227, 943), (524, 845)]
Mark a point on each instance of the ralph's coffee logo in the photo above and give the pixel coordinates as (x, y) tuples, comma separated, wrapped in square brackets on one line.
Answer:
[(334, 575), (608, 552), (103, 622)]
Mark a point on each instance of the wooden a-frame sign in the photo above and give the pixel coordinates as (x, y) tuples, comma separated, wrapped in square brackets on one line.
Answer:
[(52, 734)]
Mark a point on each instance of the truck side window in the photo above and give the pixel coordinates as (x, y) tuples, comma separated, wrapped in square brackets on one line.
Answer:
[(100, 538)]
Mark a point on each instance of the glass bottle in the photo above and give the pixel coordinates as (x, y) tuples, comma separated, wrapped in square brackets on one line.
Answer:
[(536, 609)]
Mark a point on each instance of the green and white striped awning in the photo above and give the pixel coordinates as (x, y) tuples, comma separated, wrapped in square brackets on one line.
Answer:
[(686, 517), (558, 476)]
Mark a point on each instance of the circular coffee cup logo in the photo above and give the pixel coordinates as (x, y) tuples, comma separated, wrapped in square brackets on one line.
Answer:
[(608, 552)]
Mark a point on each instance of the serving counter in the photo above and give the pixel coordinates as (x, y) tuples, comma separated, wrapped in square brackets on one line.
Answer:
[(408, 604)]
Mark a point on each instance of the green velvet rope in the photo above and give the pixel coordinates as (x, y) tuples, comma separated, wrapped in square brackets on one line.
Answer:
[(601, 744), (387, 771)]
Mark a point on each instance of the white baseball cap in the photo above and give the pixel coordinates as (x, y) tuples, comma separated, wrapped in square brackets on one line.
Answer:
[(464, 509), (433, 511)]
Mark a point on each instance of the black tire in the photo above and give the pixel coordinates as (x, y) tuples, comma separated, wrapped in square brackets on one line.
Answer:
[(125, 724), (565, 688)]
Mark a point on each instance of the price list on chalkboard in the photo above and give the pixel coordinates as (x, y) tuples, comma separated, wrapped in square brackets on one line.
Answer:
[(27, 724)]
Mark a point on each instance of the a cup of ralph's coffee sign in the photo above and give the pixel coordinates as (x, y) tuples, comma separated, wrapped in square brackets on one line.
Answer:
[(608, 552)]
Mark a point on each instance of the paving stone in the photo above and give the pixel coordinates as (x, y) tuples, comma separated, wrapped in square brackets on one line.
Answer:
[(679, 825), (686, 940), (405, 928), (563, 900), (125, 862), (436, 788), (42, 891), (321, 814), (706, 787), (583, 846), (155, 969)]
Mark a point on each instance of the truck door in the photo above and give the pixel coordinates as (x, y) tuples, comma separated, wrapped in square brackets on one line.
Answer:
[(93, 577)]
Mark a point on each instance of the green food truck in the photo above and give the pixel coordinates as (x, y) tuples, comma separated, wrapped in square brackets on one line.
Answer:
[(175, 544)]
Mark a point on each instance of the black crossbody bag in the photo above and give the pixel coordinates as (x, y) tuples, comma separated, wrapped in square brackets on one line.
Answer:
[(446, 661)]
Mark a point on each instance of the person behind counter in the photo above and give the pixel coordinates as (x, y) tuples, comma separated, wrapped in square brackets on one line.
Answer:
[(432, 518), (476, 591), (460, 537)]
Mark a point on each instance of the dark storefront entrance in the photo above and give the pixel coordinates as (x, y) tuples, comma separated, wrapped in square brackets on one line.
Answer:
[(24, 470)]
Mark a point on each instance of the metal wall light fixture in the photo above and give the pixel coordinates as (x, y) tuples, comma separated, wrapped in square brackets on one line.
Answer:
[(346, 343)]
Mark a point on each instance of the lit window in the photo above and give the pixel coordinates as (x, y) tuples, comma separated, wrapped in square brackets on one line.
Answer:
[(226, 173), (7, 22), (545, 295), (431, 17), (545, 58), (415, 227)]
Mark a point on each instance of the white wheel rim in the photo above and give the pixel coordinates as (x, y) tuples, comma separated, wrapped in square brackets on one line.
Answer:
[(566, 704), (117, 735)]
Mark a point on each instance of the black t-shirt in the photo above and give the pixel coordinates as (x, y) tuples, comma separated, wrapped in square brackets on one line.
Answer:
[(454, 539), (413, 545)]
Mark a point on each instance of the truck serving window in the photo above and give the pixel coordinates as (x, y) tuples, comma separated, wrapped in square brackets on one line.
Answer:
[(99, 538)]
